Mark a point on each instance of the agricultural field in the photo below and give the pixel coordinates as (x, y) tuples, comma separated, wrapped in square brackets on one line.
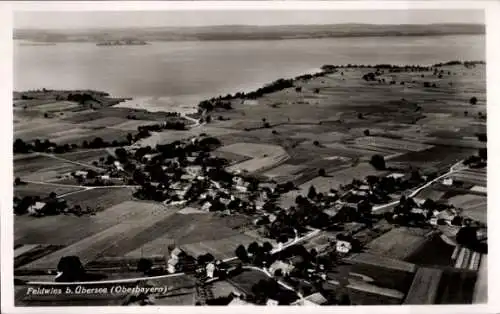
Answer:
[(70, 228), (399, 243), (105, 122), (390, 144), (107, 134), (472, 206), (263, 156), (32, 129), (86, 156), (437, 156), (197, 233), (55, 106), (132, 125), (233, 158), (113, 241), (42, 190), (471, 176), (100, 197), (434, 252), (45, 168), (424, 288), (285, 172), (169, 136)]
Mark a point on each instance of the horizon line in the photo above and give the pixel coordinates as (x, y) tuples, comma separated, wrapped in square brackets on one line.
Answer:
[(240, 25)]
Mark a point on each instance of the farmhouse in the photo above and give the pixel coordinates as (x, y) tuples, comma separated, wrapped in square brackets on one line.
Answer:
[(210, 270), (396, 175), (312, 300), (284, 267), (81, 173), (239, 301), (35, 208), (447, 181), (343, 246)]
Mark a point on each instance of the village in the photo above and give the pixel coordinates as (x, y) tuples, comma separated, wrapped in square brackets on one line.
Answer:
[(279, 229)]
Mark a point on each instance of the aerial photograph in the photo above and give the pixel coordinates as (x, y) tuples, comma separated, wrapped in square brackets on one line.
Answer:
[(249, 157)]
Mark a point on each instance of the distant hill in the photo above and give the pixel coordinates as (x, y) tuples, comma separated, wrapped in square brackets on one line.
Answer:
[(245, 32)]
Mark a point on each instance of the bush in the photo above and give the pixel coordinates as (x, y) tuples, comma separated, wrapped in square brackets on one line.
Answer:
[(144, 265), (378, 162), (71, 268)]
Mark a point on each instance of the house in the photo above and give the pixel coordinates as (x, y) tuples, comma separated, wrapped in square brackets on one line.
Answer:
[(271, 302), (105, 177), (396, 175), (312, 300), (239, 301), (447, 181), (364, 187), (272, 218), (210, 270), (433, 221), (35, 208), (81, 173), (360, 193), (417, 210), (193, 170), (149, 157), (118, 165), (284, 267), (172, 265), (343, 246), (206, 206)]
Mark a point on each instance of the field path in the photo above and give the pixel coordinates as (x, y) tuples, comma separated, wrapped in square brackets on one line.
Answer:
[(456, 167), (82, 187), (71, 161)]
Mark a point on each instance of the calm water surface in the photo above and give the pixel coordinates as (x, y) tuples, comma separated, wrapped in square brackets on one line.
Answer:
[(164, 75)]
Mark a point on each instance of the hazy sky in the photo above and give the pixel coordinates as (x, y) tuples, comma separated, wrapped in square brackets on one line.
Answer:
[(112, 19)]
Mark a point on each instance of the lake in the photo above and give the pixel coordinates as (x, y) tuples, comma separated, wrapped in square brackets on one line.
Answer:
[(175, 75)]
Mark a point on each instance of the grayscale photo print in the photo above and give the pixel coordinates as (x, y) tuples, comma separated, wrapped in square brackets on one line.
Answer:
[(249, 157)]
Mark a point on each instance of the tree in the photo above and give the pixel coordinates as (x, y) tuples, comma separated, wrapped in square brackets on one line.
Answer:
[(366, 132), (473, 100), (71, 268), (344, 300), (481, 137), (378, 162), (316, 143), (483, 153), (130, 137), (360, 116), (52, 195), (312, 192), (144, 265), (467, 236), (457, 221), (322, 172), (253, 248), (267, 247), (241, 253), (18, 181), (466, 113)]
